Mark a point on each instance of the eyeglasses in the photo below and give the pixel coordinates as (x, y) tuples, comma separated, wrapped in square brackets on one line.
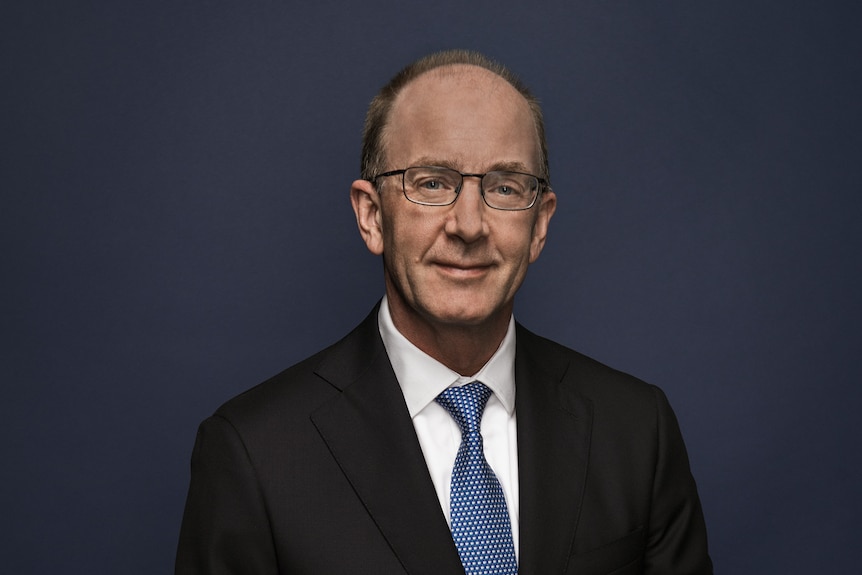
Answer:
[(436, 186)]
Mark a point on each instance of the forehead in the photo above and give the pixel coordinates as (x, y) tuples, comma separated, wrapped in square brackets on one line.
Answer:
[(464, 115)]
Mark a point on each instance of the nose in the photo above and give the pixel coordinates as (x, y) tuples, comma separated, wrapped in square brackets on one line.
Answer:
[(467, 216)]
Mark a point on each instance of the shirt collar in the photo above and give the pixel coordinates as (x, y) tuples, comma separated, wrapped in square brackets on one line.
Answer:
[(422, 378)]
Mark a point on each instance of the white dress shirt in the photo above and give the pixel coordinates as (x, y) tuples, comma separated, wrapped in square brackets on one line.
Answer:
[(422, 378)]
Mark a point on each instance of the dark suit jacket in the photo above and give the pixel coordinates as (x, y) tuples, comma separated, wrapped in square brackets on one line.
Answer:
[(318, 471)]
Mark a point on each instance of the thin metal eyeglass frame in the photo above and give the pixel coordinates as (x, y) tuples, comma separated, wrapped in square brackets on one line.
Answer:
[(543, 184)]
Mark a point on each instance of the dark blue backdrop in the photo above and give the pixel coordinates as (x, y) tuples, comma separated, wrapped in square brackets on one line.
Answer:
[(175, 228)]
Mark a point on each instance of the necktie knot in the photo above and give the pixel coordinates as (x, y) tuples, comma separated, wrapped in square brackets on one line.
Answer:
[(466, 404)]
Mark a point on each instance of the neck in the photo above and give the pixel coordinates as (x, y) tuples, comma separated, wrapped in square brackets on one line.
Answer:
[(462, 348)]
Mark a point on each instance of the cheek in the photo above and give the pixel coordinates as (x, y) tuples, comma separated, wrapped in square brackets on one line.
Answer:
[(409, 233), (515, 239)]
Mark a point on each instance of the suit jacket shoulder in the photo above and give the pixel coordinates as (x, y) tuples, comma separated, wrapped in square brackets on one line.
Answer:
[(588, 376), (301, 388)]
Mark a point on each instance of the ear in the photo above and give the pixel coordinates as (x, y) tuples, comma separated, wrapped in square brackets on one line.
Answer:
[(366, 206), (546, 208)]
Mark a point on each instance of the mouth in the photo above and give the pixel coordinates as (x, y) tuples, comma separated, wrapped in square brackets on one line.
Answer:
[(462, 269)]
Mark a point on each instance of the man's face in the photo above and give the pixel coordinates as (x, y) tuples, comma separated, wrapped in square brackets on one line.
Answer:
[(457, 265)]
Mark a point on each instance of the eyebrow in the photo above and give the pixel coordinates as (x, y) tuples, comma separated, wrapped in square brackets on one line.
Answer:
[(456, 165)]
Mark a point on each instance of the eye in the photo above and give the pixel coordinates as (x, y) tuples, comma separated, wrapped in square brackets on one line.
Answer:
[(506, 188), (432, 180), (431, 185)]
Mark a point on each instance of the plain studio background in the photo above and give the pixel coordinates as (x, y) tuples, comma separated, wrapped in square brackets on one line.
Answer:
[(176, 228)]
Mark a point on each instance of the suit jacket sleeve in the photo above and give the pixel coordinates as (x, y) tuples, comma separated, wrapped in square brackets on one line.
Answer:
[(225, 527), (676, 538)]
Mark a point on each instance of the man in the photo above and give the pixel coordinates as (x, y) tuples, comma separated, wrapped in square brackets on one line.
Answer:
[(439, 436)]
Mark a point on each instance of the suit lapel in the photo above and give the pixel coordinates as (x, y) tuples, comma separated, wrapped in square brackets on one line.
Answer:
[(369, 432), (554, 426)]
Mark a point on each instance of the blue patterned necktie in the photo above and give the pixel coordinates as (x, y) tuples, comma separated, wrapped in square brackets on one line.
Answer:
[(480, 519)]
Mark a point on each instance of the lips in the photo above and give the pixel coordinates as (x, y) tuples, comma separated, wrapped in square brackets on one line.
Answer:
[(462, 265), (463, 269)]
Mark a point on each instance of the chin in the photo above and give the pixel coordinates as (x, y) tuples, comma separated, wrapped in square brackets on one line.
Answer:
[(461, 313)]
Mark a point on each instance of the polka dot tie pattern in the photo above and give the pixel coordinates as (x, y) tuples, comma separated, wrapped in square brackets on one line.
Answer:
[(480, 519)]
